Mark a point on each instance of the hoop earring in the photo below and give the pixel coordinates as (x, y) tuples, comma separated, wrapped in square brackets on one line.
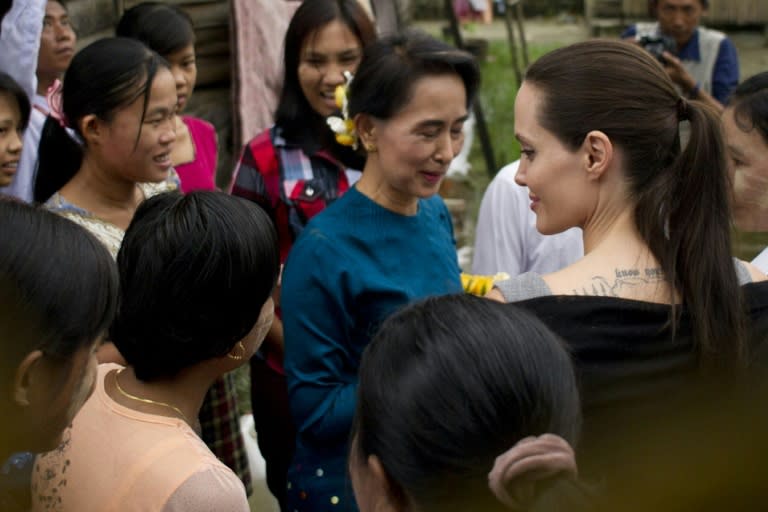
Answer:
[(242, 353)]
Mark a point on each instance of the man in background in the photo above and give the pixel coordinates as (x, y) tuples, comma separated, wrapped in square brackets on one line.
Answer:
[(704, 64)]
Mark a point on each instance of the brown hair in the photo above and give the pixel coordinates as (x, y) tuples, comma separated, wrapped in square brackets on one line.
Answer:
[(680, 195)]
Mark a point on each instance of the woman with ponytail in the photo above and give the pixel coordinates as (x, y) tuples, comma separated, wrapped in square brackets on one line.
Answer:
[(429, 435), (657, 299), (119, 100)]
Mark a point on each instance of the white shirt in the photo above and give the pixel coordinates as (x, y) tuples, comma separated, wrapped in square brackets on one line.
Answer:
[(506, 238), (761, 261)]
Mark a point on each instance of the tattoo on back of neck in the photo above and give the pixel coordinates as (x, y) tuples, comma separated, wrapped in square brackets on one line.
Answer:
[(623, 280)]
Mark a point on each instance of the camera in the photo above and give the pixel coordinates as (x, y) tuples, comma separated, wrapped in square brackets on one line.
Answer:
[(657, 45)]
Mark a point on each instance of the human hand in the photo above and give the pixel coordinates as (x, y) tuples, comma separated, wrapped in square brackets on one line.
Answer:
[(677, 72)]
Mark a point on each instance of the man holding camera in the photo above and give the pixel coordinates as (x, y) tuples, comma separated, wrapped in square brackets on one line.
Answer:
[(702, 62)]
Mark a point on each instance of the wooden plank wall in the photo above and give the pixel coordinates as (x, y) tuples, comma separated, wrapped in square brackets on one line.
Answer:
[(721, 12), (212, 99)]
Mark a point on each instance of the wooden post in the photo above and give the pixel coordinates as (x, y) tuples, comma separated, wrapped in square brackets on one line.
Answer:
[(477, 107)]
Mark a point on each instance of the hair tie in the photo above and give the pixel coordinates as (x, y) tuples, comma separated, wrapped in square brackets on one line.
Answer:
[(55, 103), (343, 126), (682, 109), (534, 458)]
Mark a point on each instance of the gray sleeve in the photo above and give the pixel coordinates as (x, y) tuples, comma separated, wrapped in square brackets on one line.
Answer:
[(525, 286), (213, 489)]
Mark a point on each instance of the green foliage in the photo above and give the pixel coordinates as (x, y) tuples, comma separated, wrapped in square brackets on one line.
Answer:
[(497, 95)]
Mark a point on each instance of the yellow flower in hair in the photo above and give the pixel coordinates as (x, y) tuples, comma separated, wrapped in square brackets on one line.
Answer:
[(343, 126)]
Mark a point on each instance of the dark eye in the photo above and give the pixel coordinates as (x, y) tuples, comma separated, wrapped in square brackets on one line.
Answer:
[(528, 153)]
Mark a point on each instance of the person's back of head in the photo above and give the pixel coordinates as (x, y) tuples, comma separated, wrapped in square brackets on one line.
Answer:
[(195, 271), (453, 392), (679, 192), (58, 294)]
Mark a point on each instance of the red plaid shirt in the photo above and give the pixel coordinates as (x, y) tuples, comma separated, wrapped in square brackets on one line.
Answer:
[(290, 185)]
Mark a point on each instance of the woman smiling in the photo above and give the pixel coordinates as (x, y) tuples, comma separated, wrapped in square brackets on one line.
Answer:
[(386, 242)]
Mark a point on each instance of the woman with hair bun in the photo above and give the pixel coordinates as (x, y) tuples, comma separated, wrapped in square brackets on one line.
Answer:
[(119, 100), (465, 404)]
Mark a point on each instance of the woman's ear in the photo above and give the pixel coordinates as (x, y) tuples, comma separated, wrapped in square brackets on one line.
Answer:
[(366, 129), (91, 128), (393, 496), (25, 378), (598, 154)]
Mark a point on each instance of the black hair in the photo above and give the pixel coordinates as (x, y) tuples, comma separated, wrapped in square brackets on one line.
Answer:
[(452, 382), (103, 77), (164, 28), (652, 4), (299, 122), (194, 272), (680, 193), (750, 104), (13, 90), (390, 67), (58, 286)]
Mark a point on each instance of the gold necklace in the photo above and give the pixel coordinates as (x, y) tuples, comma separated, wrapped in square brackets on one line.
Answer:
[(145, 400)]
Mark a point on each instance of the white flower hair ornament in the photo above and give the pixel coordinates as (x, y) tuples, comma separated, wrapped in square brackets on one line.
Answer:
[(343, 126)]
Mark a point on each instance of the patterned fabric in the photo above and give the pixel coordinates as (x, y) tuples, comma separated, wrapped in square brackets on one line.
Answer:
[(290, 185), (107, 233), (219, 415), (220, 424)]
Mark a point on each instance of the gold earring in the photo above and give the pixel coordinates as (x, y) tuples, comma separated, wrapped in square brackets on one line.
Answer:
[(370, 147), (239, 356)]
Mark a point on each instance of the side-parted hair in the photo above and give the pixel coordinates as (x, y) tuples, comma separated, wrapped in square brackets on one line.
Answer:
[(393, 64), (681, 198), (300, 123), (104, 77), (195, 271), (58, 286), (11, 89), (750, 104), (164, 28), (449, 384)]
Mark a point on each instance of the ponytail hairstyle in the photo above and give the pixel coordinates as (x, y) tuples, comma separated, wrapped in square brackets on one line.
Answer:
[(300, 124), (681, 195), (165, 29), (104, 77), (449, 384), (750, 105)]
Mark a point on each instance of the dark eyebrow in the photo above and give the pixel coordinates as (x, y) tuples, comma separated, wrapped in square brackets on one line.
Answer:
[(158, 111), (431, 123)]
